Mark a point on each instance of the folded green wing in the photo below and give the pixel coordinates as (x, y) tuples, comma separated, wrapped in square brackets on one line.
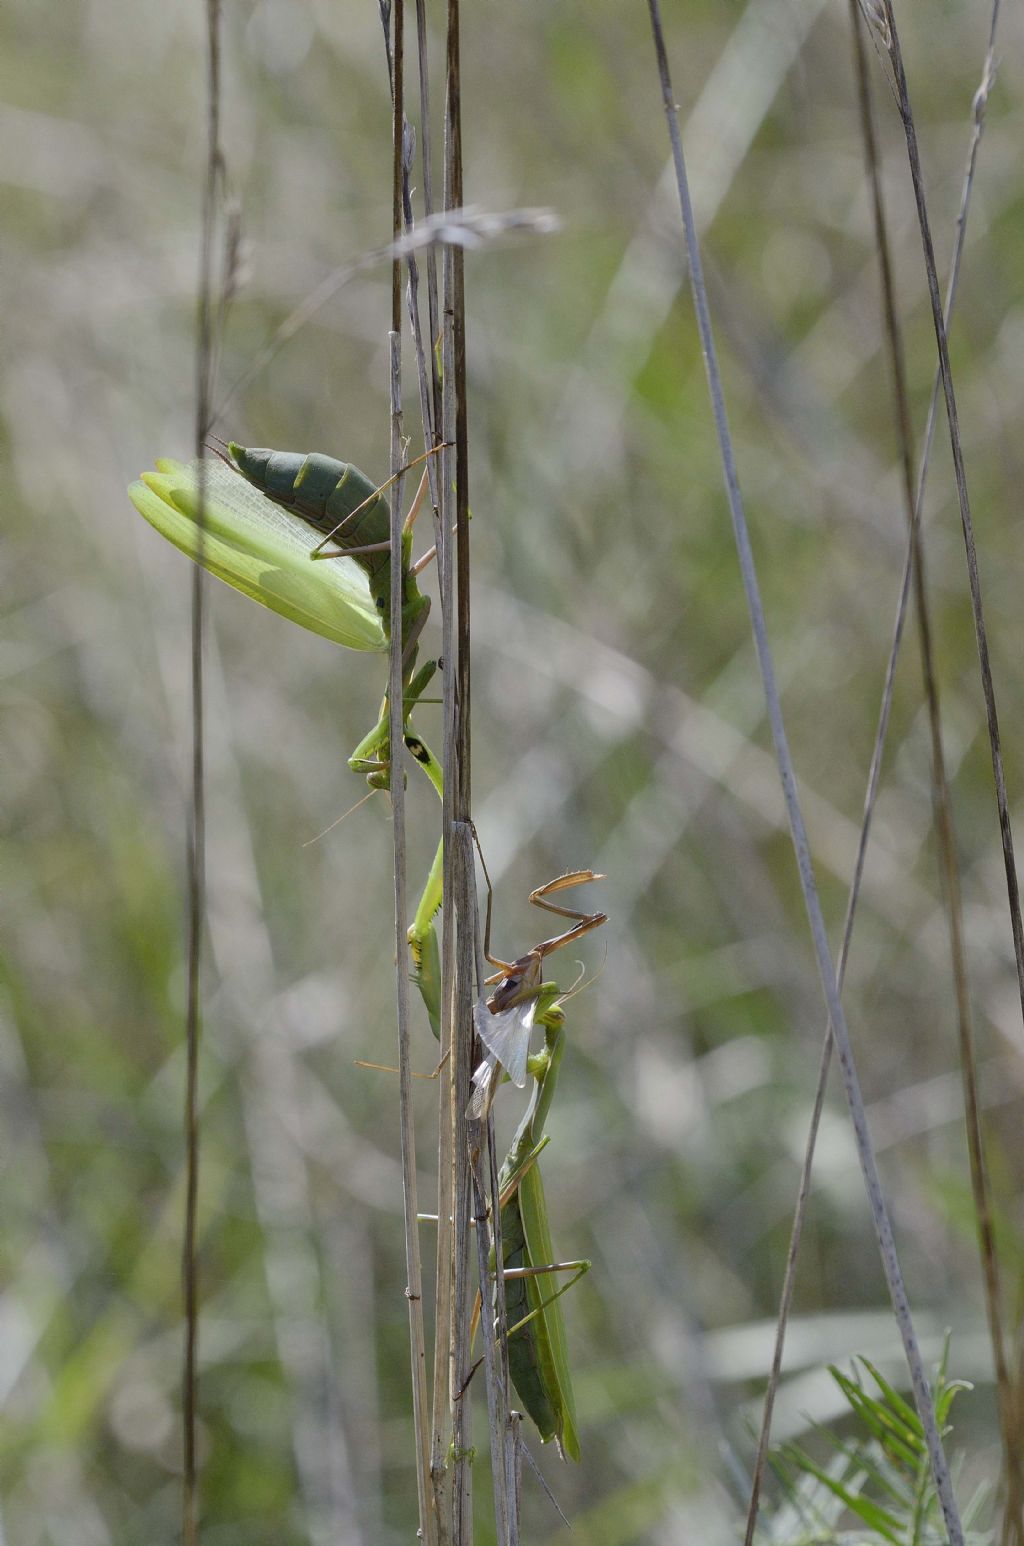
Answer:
[(261, 549), (550, 1325)]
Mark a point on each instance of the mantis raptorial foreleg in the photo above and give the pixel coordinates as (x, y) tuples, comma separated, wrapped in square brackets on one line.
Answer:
[(505, 1021)]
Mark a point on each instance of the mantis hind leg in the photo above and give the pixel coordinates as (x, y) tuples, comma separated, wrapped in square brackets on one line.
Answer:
[(417, 504), (414, 618), (426, 957)]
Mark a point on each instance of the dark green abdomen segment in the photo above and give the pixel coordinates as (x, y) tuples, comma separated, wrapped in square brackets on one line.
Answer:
[(523, 1352), (324, 492)]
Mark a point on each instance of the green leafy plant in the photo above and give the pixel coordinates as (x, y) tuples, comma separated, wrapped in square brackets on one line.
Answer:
[(876, 1486)]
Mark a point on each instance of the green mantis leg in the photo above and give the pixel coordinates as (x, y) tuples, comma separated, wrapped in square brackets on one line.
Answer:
[(426, 957)]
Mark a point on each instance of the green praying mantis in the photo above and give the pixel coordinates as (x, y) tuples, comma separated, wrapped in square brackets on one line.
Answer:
[(537, 1354), (268, 515)]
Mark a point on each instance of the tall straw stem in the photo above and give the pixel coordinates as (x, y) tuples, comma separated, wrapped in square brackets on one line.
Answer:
[(949, 866), (414, 1288), (204, 365), (826, 969)]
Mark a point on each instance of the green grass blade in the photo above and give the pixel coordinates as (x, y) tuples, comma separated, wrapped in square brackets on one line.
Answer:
[(876, 1518), (899, 1441)]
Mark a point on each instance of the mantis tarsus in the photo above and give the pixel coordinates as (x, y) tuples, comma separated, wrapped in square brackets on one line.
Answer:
[(537, 1356)]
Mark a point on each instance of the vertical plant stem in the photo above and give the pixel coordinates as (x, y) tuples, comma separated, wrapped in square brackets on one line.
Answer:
[(197, 813), (496, 1401), (429, 408), (967, 524), (456, 986), (459, 873), (414, 1288), (487, 1216), (803, 1191), (1008, 1400), (454, 1191), (446, 1337), (826, 970), (428, 202), (944, 825), (397, 61), (487, 1203), (979, 107), (436, 1475), (515, 1462)]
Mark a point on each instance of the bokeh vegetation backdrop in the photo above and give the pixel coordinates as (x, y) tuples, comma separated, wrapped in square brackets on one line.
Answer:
[(618, 723)]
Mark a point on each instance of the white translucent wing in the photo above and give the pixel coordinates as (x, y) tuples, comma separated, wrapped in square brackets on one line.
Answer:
[(261, 549), (483, 1078), (507, 1036)]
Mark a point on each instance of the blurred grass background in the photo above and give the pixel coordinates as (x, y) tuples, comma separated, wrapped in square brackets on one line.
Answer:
[(618, 723)]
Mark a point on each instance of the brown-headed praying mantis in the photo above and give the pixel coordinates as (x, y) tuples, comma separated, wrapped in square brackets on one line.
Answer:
[(537, 1355)]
